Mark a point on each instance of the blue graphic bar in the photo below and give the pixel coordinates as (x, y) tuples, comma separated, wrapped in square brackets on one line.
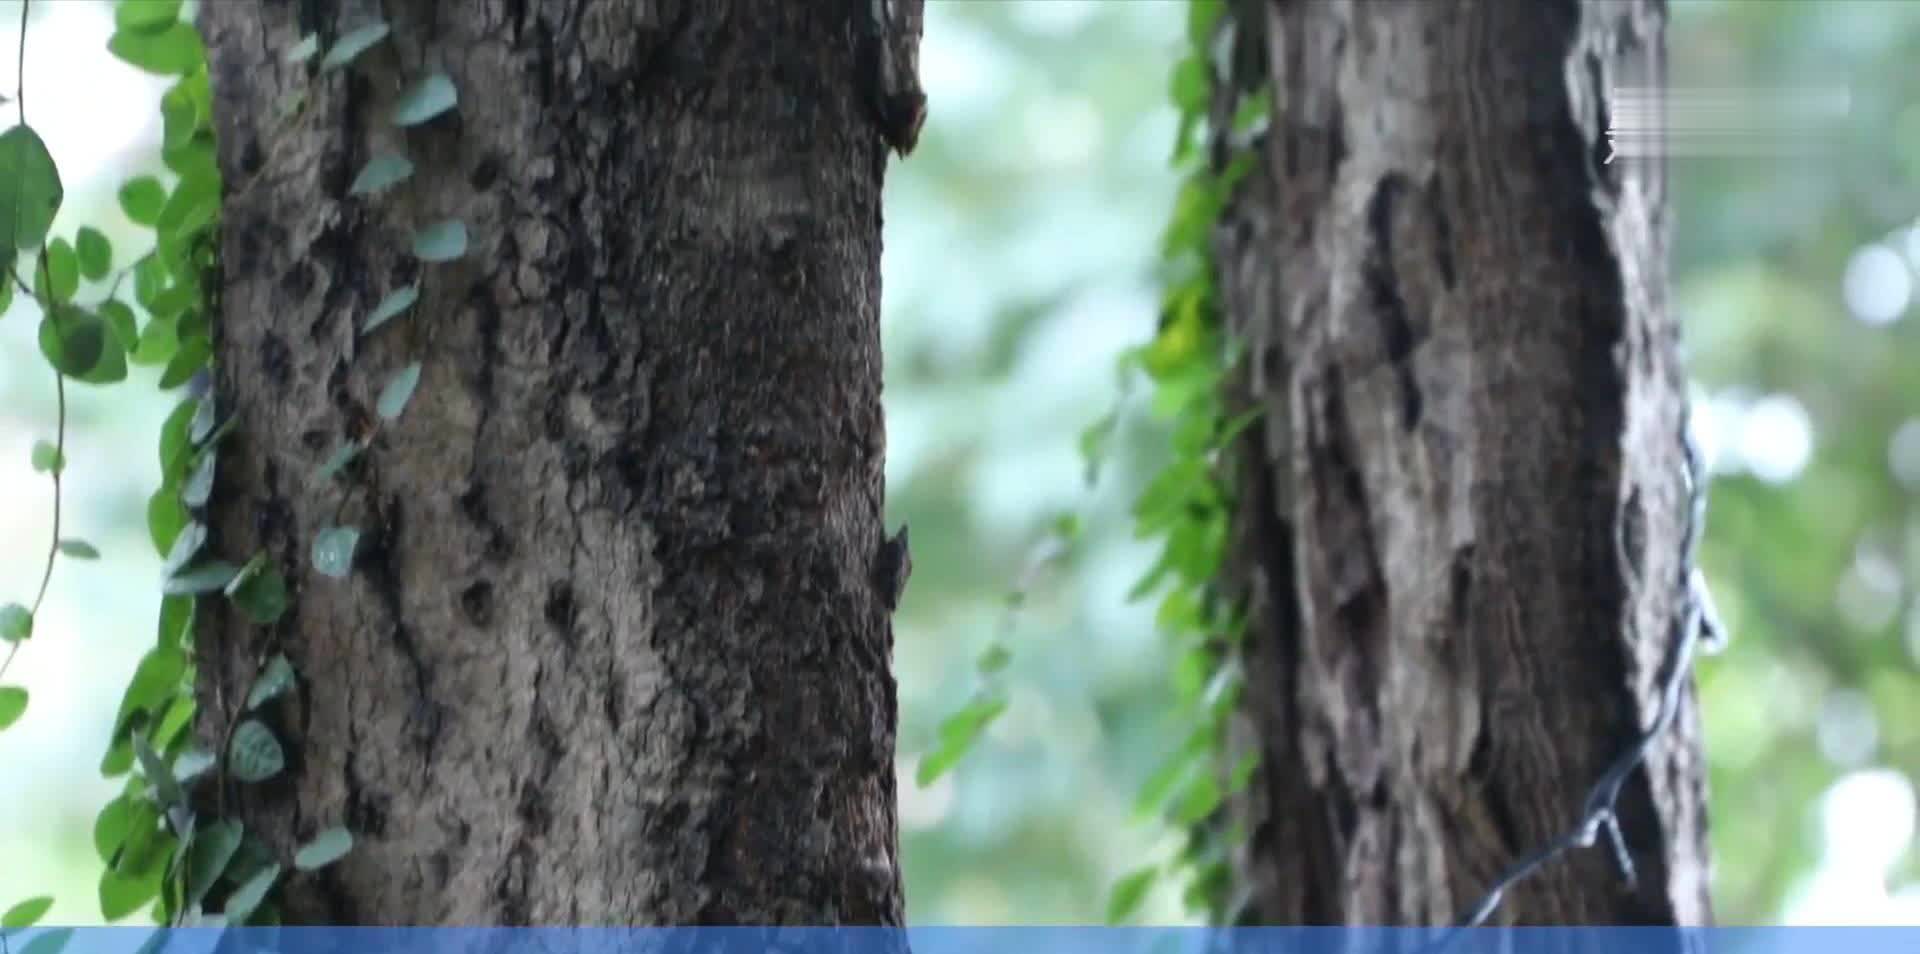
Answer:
[(961, 940)]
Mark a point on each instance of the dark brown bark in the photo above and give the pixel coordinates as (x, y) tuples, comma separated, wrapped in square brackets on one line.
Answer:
[(611, 652), (1461, 513)]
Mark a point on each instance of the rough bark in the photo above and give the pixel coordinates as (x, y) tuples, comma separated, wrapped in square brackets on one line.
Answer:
[(1461, 512), (612, 651)]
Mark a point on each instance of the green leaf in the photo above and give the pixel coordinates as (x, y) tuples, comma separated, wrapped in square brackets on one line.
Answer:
[(51, 941), (1199, 800), (276, 677), (304, 50), (123, 894), (156, 680), (142, 198), (392, 305), (145, 15), (165, 788), (16, 623), (207, 857), (994, 659), (245, 900), (159, 341), (6, 286), (194, 204), (381, 172), (208, 577), (326, 848), (1129, 892), (47, 458), (170, 51), (263, 596), (13, 702), (186, 545), (353, 43), (191, 357), (79, 549), (337, 461), (425, 99), (179, 712), (441, 241), (27, 913), (333, 550), (59, 271), (111, 825), (72, 340), (176, 621), (30, 190), (191, 764), (121, 322), (179, 117), (199, 485), (166, 518), (957, 735), (112, 366), (399, 390), (254, 754)]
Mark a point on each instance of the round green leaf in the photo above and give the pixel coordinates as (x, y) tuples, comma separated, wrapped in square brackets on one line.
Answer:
[(392, 305), (30, 190), (208, 577), (425, 99), (333, 550), (186, 544), (170, 51), (1129, 892), (122, 894), (255, 755), (13, 702), (78, 549), (326, 848), (166, 517), (159, 341), (207, 857), (441, 241), (353, 43), (263, 596), (27, 913), (380, 172), (72, 340), (304, 50), (399, 390), (199, 485), (58, 276), (145, 15), (276, 677), (191, 357), (121, 322), (246, 899), (16, 623), (47, 458), (95, 253), (142, 198)]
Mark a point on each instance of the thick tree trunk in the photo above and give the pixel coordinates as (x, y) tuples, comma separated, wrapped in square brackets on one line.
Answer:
[(1462, 510), (613, 650)]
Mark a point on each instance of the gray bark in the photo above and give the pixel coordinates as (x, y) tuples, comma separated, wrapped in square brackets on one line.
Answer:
[(1462, 510), (612, 651)]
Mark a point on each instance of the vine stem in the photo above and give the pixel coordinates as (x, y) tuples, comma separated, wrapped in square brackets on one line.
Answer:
[(59, 464), (59, 380)]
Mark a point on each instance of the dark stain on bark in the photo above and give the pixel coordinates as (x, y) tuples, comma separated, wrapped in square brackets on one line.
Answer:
[(1397, 329)]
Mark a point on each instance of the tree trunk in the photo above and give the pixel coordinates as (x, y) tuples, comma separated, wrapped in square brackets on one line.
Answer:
[(614, 648), (1463, 507)]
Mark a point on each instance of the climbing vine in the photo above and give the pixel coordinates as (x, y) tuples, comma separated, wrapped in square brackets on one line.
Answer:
[(1186, 506), (165, 840)]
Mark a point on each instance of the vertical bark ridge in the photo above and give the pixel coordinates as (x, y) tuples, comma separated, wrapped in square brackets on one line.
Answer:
[(1455, 318)]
